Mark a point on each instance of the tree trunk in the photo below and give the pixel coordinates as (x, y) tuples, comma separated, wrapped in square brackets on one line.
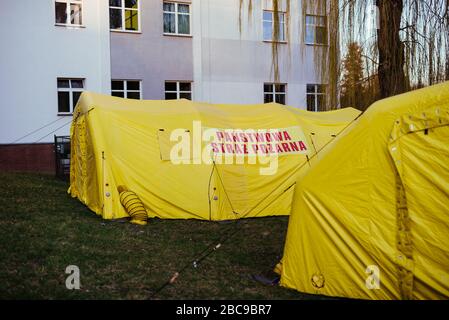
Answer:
[(392, 79), (447, 68), (447, 40)]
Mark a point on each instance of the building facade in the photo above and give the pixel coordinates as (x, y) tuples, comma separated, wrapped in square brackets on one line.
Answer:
[(52, 50)]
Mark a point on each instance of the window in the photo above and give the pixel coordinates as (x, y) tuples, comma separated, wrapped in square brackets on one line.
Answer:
[(124, 15), (69, 91), (268, 26), (316, 30), (178, 90), (68, 12), (316, 97), (126, 89), (274, 92), (176, 18)]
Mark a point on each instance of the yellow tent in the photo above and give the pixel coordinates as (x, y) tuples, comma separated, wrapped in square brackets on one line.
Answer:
[(370, 219), (121, 142)]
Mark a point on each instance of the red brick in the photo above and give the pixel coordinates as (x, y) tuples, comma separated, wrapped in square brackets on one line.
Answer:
[(27, 157)]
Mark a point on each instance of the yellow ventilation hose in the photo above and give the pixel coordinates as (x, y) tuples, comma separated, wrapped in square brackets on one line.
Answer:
[(133, 206)]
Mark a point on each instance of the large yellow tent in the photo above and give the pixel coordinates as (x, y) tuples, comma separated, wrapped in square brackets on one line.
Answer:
[(370, 219), (122, 142)]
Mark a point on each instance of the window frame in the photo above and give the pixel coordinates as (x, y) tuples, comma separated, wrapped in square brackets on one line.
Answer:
[(315, 95), (70, 90), (274, 92), (125, 88), (283, 13), (314, 26), (178, 89), (176, 13), (67, 12), (122, 9)]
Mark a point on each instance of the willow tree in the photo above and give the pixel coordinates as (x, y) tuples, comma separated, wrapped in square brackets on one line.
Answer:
[(405, 43)]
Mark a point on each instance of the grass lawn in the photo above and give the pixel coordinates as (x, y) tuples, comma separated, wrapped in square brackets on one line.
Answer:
[(43, 230)]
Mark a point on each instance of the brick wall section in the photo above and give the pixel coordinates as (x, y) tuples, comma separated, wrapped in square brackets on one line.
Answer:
[(27, 157)]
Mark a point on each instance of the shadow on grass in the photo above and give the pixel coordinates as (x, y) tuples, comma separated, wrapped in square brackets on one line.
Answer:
[(43, 230)]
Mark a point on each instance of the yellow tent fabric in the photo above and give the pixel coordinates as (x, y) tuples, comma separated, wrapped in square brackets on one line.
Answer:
[(123, 142), (370, 219)]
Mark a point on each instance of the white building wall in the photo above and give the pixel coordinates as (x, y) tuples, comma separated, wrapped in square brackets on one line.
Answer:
[(34, 53), (231, 67), (228, 66)]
